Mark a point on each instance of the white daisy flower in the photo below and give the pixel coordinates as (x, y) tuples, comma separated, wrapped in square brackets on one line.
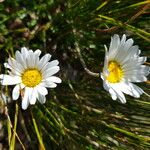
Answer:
[(31, 75), (122, 66)]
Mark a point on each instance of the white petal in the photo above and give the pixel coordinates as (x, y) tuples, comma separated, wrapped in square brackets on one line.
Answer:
[(125, 88), (141, 60), (135, 65), (53, 63), (24, 52), (6, 65), (9, 80), (52, 85), (137, 74), (54, 79), (137, 91), (25, 100), (128, 44), (16, 92), (123, 39), (121, 96), (36, 55), (128, 88), (105, 85), (113, 94), (37, 52), (139, 70), (33, 96), (15, 65), (51, 71), (30, 60), (49, 84), (106, 61), (50, 64), (115, 41), (130, 55), (118, 92), (35, 58), (134, 78), (133, 51), (43, 61), (21, 60), (42, 90), (126, 51), (41, 98)]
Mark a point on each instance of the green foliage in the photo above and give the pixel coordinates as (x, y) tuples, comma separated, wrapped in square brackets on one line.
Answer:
[(79, 113)]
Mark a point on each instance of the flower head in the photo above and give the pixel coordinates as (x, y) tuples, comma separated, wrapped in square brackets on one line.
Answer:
[(31, 76), (122, 66)]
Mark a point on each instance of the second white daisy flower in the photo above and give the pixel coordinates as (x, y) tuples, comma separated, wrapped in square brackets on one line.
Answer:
[(31, 75), (122, 66)]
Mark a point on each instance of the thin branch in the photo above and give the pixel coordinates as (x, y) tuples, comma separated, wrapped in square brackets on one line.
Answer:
[(142, 10), (83, 62)]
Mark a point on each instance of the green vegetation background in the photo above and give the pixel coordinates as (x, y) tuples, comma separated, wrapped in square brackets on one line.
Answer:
[(79, 114)]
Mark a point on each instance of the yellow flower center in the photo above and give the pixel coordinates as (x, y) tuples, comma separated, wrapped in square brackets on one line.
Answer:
[(115, 72), (31, 77)]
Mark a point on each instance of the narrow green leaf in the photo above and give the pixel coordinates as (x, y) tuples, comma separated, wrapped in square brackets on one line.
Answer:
[(39, 136), (143, 34), (13, 139)]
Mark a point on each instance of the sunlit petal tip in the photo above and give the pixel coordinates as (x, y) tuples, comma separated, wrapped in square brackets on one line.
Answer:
[(24, 49), (38, 52)]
